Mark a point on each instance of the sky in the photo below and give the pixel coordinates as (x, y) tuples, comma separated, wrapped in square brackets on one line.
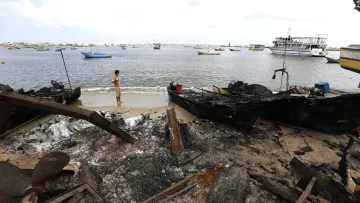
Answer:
[(177, 21)]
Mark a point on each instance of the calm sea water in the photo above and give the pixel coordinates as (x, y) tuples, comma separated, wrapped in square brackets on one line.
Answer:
[(147, 70)]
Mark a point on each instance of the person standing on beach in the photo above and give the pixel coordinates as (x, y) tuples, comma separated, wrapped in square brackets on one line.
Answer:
[(115, 81)]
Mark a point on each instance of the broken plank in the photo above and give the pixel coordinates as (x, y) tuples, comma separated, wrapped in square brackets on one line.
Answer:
[(24, 162), (51, 107), (278, 189), (170, 191), (307, 191), (175, 134)]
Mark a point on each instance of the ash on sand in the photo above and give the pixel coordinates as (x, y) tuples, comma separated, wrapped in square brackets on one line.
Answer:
[(135, 172)]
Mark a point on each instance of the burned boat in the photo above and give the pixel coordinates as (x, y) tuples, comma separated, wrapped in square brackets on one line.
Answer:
[(240, 109), (20, 114), (318, 108)]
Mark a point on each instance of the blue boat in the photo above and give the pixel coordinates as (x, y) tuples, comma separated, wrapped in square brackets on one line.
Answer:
[(95, 55)]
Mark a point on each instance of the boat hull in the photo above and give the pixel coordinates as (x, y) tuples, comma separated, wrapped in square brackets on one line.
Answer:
[(88, 55), (235, 50), (218, 113), (294, 52), (256, 49), (350, 59), (331, 60)]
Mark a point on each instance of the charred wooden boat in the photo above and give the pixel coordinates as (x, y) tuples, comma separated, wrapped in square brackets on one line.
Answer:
[(336, 112), (233, 109), (20, 114)]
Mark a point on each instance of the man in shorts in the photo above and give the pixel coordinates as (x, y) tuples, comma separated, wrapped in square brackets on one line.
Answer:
[(115, 81)]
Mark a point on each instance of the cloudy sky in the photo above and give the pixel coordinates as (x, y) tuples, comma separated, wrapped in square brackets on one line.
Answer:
[(177, 21)]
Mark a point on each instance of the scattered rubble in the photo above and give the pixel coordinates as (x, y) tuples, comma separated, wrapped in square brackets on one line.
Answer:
[(220, 163)]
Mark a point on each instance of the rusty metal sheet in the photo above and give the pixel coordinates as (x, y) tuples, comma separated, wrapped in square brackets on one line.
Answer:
[(49, 167), (13, 181), (174, 128)]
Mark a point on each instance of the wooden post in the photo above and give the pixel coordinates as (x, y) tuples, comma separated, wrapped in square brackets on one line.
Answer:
[(174, 128), (307, 191)]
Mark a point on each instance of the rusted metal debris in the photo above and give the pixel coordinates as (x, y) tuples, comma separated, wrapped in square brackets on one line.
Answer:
[(175, 134), (72, 111), (307, 191), (15, 182)]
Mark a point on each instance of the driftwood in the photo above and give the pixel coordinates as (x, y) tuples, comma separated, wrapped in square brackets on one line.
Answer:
[(174, 128), (344, 167)]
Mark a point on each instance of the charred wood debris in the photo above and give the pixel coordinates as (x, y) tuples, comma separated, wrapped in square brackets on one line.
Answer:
[(72, 160)]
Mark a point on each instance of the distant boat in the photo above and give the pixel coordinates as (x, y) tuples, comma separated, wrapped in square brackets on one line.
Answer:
[(256, 47), (135, 46), (123, 46), (187, 46), (73, 48), (95, 55), (331, 60), (12, 48), (219, 49), (60, 49), (234, 49), (157, 45), (210, 52), (42, 49), (198, 47)]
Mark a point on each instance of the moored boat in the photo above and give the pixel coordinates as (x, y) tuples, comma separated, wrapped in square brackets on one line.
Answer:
[(331, 60), (12, 48), (61, 49), (350, 58), (318, 108), (157, 45), (95, 55), (235, 110), (219, 49), (256, 47), (42, 49), (232, 49), (210, 52), (73, 48), (301, 46)]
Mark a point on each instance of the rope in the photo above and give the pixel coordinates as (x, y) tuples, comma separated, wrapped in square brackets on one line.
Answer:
[(66, 69)]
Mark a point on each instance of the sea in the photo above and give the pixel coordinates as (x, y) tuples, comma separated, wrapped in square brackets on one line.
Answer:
[(145, 70)]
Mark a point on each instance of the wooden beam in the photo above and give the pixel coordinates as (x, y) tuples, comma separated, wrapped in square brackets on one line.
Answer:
[(51, 107), (307, 191), (174, 128), (24, 162)]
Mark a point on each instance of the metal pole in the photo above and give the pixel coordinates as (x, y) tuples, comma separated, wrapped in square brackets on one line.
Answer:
[(65, 69)]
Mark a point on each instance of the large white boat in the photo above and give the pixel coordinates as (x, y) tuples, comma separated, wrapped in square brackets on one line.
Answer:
[(303, 46)]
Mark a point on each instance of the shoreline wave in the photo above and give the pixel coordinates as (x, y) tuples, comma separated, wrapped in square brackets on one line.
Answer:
[(137, 90)]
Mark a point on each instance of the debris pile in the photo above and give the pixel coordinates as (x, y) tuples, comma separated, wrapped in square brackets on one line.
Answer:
[(218, 163)]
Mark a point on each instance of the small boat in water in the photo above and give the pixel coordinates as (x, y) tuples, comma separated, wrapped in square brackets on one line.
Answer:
[(60, 49), (210, 52), (73, 48), (157, 45), (95, 55), (219, 49), (232, 49), (13, 48), (198, 47), (42, 49), (331, 60), (256, 47)]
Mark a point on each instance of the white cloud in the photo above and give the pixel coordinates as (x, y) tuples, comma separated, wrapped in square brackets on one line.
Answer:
[(198, 21)]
